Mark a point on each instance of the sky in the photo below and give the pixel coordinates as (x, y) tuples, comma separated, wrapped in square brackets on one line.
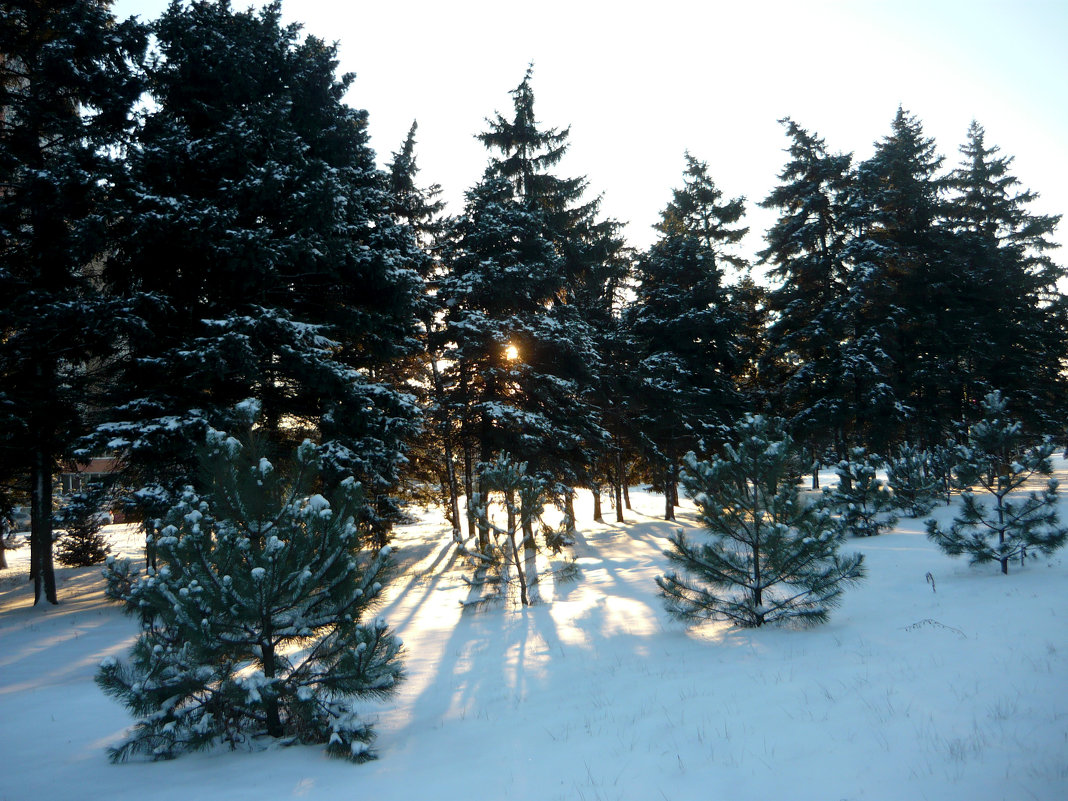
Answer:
[(641, 83)]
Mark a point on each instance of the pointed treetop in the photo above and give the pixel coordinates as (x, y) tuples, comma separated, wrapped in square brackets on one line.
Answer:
[(696, 210)]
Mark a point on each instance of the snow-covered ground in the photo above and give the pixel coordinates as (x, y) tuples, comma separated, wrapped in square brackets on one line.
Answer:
[(956, 691)]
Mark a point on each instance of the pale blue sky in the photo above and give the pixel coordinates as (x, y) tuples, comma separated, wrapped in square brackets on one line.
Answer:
[(640, 83)]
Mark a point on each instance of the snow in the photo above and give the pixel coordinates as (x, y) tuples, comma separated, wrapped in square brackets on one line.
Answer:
[(950, 687)]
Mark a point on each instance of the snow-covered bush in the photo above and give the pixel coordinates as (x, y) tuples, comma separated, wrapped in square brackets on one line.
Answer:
[(865, 506), (913, 480), (254, 621), (773, 557), (998, 459)]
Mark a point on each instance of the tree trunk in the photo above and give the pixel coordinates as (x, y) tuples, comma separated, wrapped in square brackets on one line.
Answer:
[(270, 698), (621, 479), (597, 504), (569, 510), (626, 494), (444, 431), (42, 570), (469, 491), (509, 505), (669, 492)]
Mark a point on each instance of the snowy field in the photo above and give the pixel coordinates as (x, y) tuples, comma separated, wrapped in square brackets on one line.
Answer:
[(959, 691)]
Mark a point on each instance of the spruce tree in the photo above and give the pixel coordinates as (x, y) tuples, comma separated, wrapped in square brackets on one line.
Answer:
[(773, 557), (68, 81), (807, 364), (263, 257), (82, 520), (255, 621), (999, 459), (523, 357), (684, 329), (1012, 312), (903, 292)]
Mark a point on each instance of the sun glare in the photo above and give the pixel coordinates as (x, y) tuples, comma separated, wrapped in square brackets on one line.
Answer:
[(511, 353)]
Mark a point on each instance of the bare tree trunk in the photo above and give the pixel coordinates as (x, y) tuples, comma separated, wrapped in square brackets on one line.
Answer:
[(469, 492), (444, 431), (42, 570), (597, 503), (669, 493), (569, 510), (618, 485), (270, 700), (509, 505)]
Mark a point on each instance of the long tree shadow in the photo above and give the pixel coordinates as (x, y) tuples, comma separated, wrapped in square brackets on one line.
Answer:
[(468, 668)]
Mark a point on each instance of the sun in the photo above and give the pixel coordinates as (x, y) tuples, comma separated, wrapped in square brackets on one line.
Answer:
[(511, 353)]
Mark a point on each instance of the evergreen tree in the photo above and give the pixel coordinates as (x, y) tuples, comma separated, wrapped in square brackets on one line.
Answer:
[(523, 358), (902, 292), (254, 623), (432, 456), (774, 555), (1012, 313), (67, 86), (517, 361), (864, 503), (82, 542), (914, 480), (683, 328), (263, 256), (809, 356), (999, 459), (511, 550)]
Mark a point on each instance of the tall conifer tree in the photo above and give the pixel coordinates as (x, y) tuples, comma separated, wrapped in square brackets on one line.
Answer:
[(1012, 335), (263, 252), (525, 357), (67, 85), (902, 288), (806, 362), (684, 329)]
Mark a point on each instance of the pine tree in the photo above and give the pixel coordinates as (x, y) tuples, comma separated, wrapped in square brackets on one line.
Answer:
[(808, 353), (914, 480), (1012, 313), (255, 622), (774, 555), (263, 256), (864, 503), (67, 86), (511, 550), (684, 329), (999, 459)]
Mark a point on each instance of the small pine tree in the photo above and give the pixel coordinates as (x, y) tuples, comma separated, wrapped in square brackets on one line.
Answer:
[(512, 548), (252, 623), (864, 503), (998, 460), (912, 479), (774, 557), (82, 542), (943, 459)]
